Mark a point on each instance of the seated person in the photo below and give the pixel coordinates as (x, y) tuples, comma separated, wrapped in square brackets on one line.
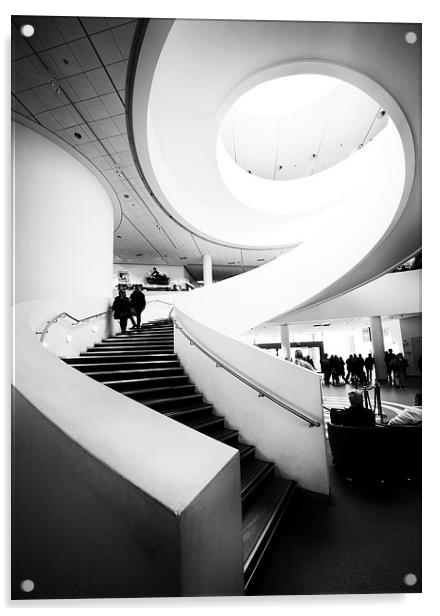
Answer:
[(356, 414), (154, 273), (410, 415)]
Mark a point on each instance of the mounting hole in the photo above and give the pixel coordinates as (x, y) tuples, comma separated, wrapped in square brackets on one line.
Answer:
[(410, 38), (27, 586), (27, 30), (410, 579)]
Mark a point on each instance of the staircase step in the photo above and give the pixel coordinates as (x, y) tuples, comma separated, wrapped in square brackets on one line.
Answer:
[(131, 353), (204, 424), (141, 385), (178, 402), (140, 367), (128, 375), (260, 521), (133, 347), (246, 451), (104, 359), (201, 410), (254, 473), (146, 394), (136, 340), (227, 436)]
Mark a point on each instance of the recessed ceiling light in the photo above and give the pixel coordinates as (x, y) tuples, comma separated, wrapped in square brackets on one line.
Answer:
[(260, 259), (381, 113), (27, 30), (410, 38), (280, 167), (249, 171), (119, 236), (126, 196), (139, 254), (65, 61), (77, 135), (183, 258)]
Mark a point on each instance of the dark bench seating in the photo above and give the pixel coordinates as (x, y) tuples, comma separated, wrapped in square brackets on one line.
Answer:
[(384, 453)]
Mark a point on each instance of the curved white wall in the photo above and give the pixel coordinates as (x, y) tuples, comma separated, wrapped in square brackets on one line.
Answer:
[(63, 223)]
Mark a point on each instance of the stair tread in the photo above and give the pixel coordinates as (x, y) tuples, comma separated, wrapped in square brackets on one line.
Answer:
[(150, 392), (182, 399), (260, 520), (224, 435), (252, 471), (176, 413), (154, 372), (147, 380), (199, 422)]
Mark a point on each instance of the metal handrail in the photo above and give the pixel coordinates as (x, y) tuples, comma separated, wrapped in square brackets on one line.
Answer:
[(66, 315), (262, 393), (161, 301)]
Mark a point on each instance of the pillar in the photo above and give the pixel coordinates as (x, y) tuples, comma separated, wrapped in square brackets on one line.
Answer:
[(285, 341), (378, 347), (207, 270)]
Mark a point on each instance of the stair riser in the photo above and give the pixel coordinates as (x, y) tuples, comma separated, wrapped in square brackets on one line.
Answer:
[(145, 396), (186, 414), (153, 383), (168, 405), (131, 366), (257, 484), (128, 354), (109, 359), (139, 348), (116, 376)]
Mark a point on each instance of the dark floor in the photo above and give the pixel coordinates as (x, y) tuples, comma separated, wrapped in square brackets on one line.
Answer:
[(366, 541)]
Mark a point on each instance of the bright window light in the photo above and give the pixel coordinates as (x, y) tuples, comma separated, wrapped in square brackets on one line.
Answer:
[(285, 95)]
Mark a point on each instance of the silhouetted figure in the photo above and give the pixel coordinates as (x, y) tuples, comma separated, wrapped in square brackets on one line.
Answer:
[(326, 369), (341, 368), (389, 356), (334, 369), (349, 364), (310, 360), (369, 363), (122, 310), (138, 303), (399, 365), (356, 414), (361, 373)]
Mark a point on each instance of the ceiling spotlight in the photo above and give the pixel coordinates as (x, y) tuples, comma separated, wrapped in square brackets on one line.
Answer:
[(77, 135), (183, 258), (249, 171), (27, 30), (410, 38), (118, 171), (126, 196), (313, 155), (119, 236), (280, 167), (65, 61), (381, 113), (260, 259), (139, 254)]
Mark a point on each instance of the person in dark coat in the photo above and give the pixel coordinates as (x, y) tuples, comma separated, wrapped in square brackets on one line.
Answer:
[(138, 303), (326, 368), (361, 364), (389, 356), (356, 414), (369, 363), (349, 364), (122, 310)]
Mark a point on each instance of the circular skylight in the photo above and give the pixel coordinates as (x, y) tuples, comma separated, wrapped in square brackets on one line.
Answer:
[(296, 126), (285, 95)]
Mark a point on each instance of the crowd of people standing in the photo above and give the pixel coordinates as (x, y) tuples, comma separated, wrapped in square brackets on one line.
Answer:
[(354, 370)]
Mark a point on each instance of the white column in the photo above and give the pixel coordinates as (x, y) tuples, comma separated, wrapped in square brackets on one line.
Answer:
[(378, 347), (207, 269), (285, 341)]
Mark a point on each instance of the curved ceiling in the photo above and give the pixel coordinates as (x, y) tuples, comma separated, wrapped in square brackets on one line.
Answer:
[(176, 118), (328, 121)]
